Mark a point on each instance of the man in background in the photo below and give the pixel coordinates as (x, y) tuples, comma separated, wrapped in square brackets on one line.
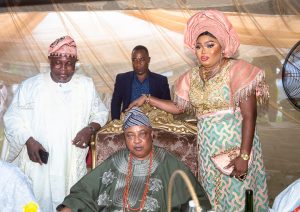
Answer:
[(131, 85), (49, 124)]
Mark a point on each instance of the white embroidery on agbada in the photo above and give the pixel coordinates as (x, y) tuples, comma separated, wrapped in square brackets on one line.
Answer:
[(151, 204), (104, 199), (155, 184), (108, 177)]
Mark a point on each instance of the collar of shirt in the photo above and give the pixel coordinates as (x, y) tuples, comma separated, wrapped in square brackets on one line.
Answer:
[(139, 88)]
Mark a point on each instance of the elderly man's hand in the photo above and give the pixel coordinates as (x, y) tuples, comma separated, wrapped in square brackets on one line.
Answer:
[(83, 138), (33, 148)]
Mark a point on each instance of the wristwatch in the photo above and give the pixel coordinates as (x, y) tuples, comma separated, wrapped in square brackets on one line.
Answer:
[(245, 156)]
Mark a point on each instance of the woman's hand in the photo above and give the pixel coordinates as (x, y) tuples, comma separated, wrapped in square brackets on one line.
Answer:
[(240, 168), (166, 105), (137, 103)]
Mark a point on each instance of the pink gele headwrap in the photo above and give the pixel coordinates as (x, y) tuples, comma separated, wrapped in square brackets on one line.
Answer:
[(64, 46), (217, 24)]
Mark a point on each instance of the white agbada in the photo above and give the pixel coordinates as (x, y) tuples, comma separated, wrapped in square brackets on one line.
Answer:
[(15, 187), (52, 113)]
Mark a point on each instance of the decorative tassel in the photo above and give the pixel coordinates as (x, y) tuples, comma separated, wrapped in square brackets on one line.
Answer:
[(257, 86)]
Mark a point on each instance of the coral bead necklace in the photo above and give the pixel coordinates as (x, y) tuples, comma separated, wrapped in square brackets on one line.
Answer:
[(126, 205)]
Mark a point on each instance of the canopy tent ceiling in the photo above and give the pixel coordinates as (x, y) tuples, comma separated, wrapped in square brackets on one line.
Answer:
[(106, 32), (105, 40), (252, 6)]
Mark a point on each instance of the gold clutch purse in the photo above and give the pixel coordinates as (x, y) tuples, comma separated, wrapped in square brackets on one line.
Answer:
[(222, 159)]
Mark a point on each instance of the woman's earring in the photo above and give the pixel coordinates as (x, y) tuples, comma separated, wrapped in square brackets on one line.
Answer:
[(222, 56)]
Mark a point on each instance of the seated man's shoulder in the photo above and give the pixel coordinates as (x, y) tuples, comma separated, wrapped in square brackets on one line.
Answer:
[(120, 153), (165, 155), (114, 162), (171, 160), (116, 156)]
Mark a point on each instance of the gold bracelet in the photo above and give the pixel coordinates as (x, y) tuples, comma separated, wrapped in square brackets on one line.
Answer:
[(245, 156), (147, 98)]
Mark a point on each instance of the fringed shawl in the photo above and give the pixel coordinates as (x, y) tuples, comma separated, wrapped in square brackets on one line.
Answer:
[(245, 79)]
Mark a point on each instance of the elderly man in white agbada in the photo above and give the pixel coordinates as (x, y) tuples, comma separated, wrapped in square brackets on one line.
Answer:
[(56, 113)]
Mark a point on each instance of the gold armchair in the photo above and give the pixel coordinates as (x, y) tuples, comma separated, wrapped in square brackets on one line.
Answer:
[(178, 137)]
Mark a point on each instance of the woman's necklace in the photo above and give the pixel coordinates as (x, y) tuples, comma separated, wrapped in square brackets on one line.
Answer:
[(208, 73), (126, 205)]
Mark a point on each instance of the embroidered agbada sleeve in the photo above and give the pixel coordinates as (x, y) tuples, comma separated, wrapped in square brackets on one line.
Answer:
[(84, 194), (16, 118), (17, 123), (181, 91), (99, 112), (246, 79)]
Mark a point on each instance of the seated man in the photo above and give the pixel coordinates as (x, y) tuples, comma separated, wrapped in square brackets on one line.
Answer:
[(15, 189), (134, 179)]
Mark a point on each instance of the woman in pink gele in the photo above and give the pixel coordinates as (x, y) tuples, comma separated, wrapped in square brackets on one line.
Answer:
[(224, 93)]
